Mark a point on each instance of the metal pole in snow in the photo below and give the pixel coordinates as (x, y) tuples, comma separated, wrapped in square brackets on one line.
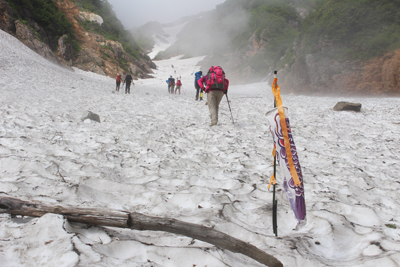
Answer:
[(274, 201), (229, 108)]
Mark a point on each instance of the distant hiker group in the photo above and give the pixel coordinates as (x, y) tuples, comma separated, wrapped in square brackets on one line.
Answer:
[(171, 85), (214, 84), (127, 81)]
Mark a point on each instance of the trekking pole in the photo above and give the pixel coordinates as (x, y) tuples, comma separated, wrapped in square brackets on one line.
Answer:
[(274, 201), (230, 108)]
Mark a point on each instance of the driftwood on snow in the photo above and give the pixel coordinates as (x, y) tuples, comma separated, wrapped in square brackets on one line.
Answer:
[(137, 221)]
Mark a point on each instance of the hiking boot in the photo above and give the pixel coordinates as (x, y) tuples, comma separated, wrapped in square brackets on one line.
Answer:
[(201, 99), (197, 98)]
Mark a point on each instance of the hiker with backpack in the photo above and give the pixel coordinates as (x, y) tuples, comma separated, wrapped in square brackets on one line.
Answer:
[(128, 80), (118, 82), (171, 84), (216, 86), (178, 85), (197, 77)]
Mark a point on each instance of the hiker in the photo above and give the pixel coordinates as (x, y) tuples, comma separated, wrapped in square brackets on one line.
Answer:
[(171, 84), (197, 76), (128, 81), (216, 86), (167, 81), (118, 81), (178, 85)]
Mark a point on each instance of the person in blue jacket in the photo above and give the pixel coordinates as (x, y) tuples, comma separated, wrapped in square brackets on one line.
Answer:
[(197, 76), (171, 84)]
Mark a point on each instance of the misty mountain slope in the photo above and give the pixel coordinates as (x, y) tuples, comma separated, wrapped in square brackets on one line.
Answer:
[(247, 38), (318, 47), (168, 38), (155, 153)]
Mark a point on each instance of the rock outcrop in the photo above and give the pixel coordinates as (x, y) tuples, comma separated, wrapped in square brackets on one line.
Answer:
[(31, 40), (324, 75), (96, 53), (7, 16)]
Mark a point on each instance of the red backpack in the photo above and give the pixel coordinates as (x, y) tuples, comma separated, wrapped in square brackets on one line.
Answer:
[(216, 78), (179, 83)]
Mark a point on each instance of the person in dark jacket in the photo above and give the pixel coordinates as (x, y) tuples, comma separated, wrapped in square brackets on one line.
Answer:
[(128, 80), (171, 84)]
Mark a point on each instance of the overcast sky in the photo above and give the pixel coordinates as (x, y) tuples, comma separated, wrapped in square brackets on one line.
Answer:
[(134, 13)]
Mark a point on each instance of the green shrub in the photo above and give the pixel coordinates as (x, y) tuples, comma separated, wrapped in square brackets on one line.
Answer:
[(111, 28), (358, 29), (46, 14)]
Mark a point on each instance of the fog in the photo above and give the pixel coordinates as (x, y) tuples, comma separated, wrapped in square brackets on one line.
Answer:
[(209, 34), (135, 13)]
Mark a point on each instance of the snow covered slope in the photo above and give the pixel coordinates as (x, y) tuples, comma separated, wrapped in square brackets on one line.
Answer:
[(162, 42), (154, 153)]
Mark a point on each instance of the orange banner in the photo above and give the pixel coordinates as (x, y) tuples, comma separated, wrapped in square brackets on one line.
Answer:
[(277, 93)]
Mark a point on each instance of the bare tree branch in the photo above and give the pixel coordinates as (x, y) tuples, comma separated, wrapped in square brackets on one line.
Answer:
[(138, 221)]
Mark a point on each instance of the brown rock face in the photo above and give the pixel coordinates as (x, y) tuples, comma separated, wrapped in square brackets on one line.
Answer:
[(25, 35), (379, 76), (96, 54), (6, 17)]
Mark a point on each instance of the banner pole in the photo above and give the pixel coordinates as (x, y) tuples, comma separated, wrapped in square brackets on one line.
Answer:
[(274, 201)]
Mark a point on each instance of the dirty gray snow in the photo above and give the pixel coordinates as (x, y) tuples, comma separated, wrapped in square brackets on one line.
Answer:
[(154, 153)]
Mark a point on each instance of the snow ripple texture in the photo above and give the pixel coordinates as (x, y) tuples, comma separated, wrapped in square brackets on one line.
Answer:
[(154, 153)]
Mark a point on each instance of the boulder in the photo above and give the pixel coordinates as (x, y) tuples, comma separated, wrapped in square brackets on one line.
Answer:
[(84, 15), (91, 116), (347, 106)]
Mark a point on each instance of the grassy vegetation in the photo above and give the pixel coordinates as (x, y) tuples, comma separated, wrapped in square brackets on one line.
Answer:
[(46, 14), (358, 29), (347, 29), (274, 24), (111, 28), (279, 21)]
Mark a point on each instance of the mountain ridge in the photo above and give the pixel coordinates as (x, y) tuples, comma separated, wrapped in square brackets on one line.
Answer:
[(317, 47)]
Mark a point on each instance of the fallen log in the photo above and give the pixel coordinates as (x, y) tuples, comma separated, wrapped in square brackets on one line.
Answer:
[(137, 221)]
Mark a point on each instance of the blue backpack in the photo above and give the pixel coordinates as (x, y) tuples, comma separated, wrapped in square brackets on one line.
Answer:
[(198, 75)]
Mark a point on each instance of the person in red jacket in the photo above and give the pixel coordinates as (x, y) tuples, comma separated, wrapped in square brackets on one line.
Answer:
[(178, 85), (118, 81), (214, 95)]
